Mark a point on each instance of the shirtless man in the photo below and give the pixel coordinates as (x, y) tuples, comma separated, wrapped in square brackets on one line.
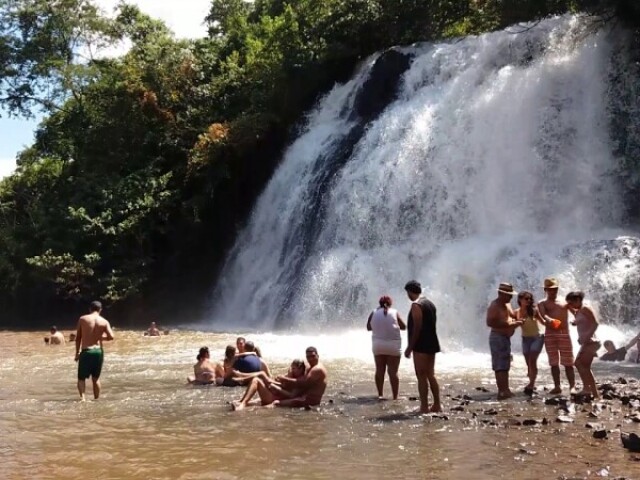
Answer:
[(557, 340), (269, 389), (503, 323), (56, 337), (309, 388), (153, 330), (92, 331)]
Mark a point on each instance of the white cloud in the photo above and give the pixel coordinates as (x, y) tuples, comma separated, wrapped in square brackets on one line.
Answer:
[(184, 17)]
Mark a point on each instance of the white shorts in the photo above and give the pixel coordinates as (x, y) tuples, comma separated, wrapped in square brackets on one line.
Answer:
[(392, 348)]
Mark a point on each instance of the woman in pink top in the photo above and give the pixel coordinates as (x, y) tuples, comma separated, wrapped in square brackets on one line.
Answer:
[(385, 324), (589, 345)]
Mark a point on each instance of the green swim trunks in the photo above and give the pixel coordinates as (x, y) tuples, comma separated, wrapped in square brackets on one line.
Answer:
[(90, 363)]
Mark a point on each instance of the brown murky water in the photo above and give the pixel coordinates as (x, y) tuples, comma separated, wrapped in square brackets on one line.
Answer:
[(150, 425)]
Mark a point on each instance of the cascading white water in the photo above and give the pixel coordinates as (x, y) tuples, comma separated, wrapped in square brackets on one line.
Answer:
[(493, 164)]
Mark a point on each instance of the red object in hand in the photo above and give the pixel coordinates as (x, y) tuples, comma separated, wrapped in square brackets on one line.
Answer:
[(555, 324)]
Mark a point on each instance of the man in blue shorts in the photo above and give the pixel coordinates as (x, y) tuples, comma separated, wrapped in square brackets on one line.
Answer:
[(501, 320)]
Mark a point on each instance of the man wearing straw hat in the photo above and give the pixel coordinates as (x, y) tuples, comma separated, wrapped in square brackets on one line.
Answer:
[(557, 341), (503, 323)]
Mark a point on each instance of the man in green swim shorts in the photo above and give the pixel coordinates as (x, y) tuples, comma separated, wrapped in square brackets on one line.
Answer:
[(91, 332)]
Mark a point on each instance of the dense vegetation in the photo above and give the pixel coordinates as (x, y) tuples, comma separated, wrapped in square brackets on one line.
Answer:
[(147, 164)]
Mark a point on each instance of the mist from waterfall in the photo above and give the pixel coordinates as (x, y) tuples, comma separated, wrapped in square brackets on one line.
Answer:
[(494, 163)]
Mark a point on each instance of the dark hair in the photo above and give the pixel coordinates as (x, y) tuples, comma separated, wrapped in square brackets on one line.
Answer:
[(95, 306), (230, 352), (413, 286), (312, 349), (204, 351), (249, 347), (385, 302), (240, 338), (299, 364), (578, 295), (53, 328), (529, 307)]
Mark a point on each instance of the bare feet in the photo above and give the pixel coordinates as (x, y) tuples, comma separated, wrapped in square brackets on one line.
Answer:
[(556, 391), (436, 408), (505, 395), (237, 405), (82, 398)]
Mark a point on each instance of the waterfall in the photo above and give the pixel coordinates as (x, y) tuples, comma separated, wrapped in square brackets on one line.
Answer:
[(492, 162)]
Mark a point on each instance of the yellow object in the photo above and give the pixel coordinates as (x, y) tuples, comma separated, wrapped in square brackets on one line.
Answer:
[(530, 327)]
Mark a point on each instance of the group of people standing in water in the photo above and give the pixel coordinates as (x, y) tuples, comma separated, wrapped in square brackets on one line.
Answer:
[(546, 324), (243, 366), (543, 325), (385, 324)]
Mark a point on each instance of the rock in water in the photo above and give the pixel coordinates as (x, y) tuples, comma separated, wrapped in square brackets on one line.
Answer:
[(602, 433), (564, 419), (630, 441)]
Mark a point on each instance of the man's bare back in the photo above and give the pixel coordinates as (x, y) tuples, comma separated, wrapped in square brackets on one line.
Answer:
[(57, 339), (92, 330)]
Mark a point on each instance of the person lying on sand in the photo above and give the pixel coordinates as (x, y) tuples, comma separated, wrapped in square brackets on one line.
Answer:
[(270, 390)]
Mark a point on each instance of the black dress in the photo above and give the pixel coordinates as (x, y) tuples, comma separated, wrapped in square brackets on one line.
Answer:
[(427, 337)]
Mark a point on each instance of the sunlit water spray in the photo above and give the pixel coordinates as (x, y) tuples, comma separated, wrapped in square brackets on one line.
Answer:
[(493, 164)]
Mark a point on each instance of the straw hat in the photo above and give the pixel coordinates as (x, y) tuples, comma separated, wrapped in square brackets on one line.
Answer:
[(506, 288), (551, 282)]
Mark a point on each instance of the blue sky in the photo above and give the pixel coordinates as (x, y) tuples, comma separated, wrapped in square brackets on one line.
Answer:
[(185, 18)]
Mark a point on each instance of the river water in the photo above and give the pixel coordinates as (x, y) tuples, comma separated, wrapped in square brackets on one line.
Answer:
[(149, 424)]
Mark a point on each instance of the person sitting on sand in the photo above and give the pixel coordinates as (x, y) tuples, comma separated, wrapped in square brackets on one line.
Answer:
[(240, 368), (270, 390), (618, 354), (587, 324), (56, 337), (153, 330), (240, 344), (311, 386), (307, 390), (205, 372), (249, 361)]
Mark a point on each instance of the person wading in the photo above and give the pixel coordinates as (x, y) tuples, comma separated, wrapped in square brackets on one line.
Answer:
[(423, 344), (385, 324), (557, 340), (91, 332), (503, 323)]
